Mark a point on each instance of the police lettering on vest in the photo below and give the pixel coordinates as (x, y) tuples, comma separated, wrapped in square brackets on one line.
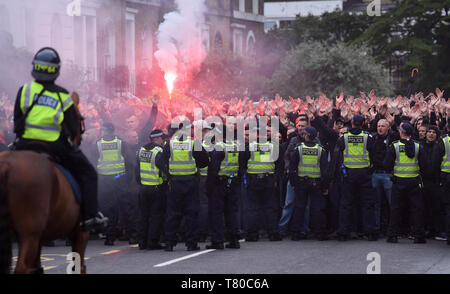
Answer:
[(309, 161), (111, 161), (181, 161), (445, 166), (355, 152), (45, 118), (406, 167), (230, 164), (261, 159), (149, 172)]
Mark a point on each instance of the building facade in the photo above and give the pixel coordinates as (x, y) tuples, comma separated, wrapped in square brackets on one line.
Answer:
[(112, 42)]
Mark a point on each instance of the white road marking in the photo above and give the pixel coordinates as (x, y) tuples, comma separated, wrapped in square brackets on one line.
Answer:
[(184, 258)]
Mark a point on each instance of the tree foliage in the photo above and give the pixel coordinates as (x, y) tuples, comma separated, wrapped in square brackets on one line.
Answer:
[(314, 67), (420, 32)]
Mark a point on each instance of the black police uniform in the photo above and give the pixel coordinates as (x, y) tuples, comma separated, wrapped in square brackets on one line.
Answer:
[(309, 188), (223, 202), (182, 200), (406, 191), (152, 207), (357, 185)]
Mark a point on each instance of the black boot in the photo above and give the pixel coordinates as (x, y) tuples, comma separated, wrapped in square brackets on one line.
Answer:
[(298, 236), (392, 239), (252, 237), (372, 237), (109, 242), (234, 244), (343, 238), (215, 246), (275, 237), (155, 246), (420, 240), (193, 248), (142, 246)]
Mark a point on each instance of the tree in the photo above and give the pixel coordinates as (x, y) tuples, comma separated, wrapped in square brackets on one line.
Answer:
[(314, 67), (420, 32)]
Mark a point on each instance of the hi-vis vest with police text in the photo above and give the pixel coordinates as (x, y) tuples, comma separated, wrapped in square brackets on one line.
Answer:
[(150, 174), (230, 164), (182, 162), (309, 163), (355, 152), (406, 167), (111, 161), (261, 159), (445, 166), (45, 118)]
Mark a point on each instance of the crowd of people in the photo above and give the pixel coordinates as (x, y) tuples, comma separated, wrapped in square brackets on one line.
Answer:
[(331, 196)]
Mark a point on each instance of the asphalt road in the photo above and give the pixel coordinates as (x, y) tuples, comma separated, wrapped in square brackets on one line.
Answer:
[(263, 257)]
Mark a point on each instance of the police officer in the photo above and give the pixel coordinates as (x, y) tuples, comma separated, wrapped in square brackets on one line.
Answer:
[(223, 186), (44, 113), (112, 170), (203, 227), (262, 163), (354, 148), (309, 172), (406, 158), (444, 158), (182, 156), (153, 192)]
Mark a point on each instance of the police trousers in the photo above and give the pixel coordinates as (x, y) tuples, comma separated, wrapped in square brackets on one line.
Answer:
[(152, 207), (406, 191), (445, 188), (357, 186), (263, 204), (223, 208), (304, 190), (182, 201), (112, 190)]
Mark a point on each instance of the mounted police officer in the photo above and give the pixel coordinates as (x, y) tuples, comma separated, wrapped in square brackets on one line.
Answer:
[(45, 120), (183, 155), (153, 192), (353, 150), (309, 173), (444, 158), (111, 167), (406, 158)]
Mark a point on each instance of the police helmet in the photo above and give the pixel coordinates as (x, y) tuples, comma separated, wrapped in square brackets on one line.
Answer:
[(46, 65)]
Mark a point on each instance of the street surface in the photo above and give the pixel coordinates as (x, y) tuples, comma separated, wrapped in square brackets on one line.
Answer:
[(263, 257)]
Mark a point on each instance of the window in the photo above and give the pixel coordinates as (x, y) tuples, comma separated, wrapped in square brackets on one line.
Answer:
[(218, 42), (147, 47), (237, 42), (249, 6), (236, 5)]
